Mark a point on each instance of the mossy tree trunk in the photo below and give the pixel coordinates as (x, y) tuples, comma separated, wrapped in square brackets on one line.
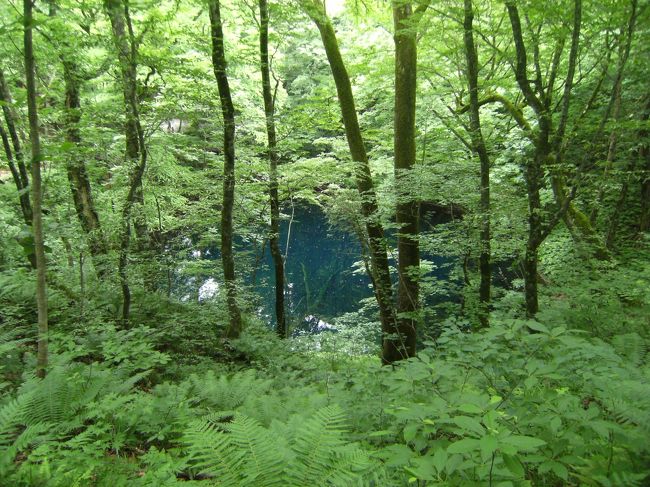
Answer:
[(478, 146), (15, 157), (75, 167), (379, 270), (544, 139), (36, 191), (269, 112), (228, 112), (136, 152), (407, 207)]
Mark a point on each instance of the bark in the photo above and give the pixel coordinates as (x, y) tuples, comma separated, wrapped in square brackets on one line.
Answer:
[(380, 273), (135, 147), (644, 166), (614, 108), (75, 167), (37, 194), (407, 208), (544, 141), (228, 113), (126, 47), (16, 159), (269, 112), (478, 146)]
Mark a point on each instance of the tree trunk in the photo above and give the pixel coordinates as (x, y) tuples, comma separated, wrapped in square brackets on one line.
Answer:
[(644, 168), (541, 103), (23, 195), (407, 210), (16, 159), (269, 112), (380, 273), (76, 170), (479, 148), (37, 193), (228, 112), (75, 167), (136, 151)]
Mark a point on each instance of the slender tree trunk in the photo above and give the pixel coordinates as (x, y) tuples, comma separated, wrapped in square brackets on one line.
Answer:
[(11, 119), (136, 151), (16, 159), (23, 195), (228, 112), (269, 112), (478, 144), (644, 168), (545, 141), (76, 170), (37, 193), (75, 167), (407, 211), (533, 178), (614, 108), (380, 273)]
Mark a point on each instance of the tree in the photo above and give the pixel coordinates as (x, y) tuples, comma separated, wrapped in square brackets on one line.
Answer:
[(406, 20), (269, 113), (392, 348), (544, 139), (228, 112), (15, 158), (136, 151), (80, 187), (478, 146), (36, 191)]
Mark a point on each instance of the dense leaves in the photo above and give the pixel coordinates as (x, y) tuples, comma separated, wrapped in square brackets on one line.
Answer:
[(516, 340)]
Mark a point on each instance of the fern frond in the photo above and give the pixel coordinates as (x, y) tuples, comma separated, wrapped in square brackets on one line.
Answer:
[(322, 455), (264, 460), (211, 452), (633, 347), (11, 416)]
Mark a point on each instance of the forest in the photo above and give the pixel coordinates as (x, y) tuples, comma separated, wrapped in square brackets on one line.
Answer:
[(311, 243)]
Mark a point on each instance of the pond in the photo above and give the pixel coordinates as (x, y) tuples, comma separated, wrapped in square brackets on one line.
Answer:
[(325, 277)]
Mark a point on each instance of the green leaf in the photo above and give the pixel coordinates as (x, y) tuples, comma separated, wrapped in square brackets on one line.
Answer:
[(470, 409), (397, 455), (489, 445), (440, 459), (422, 468), (537, 326), (560, 470), (410, 431), (465, 445), (522, 442), (469, 424), (514, 465)]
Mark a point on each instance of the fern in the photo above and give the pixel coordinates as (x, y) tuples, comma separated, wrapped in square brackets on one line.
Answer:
[(227, 393), (244, 453), (633, 347), (322, 455)]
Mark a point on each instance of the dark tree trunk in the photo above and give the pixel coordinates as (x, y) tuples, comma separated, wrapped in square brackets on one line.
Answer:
[(135, 148), (380, 273), (407, 210), (16, 159), (644, 168), (269, 111), (37, 194), (228, 112), (545, 141), (478, 145), (23, 198), (76, 170)]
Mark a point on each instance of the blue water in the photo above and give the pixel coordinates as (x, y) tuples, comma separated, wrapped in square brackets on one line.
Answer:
[(325, 277), (319, 267)]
